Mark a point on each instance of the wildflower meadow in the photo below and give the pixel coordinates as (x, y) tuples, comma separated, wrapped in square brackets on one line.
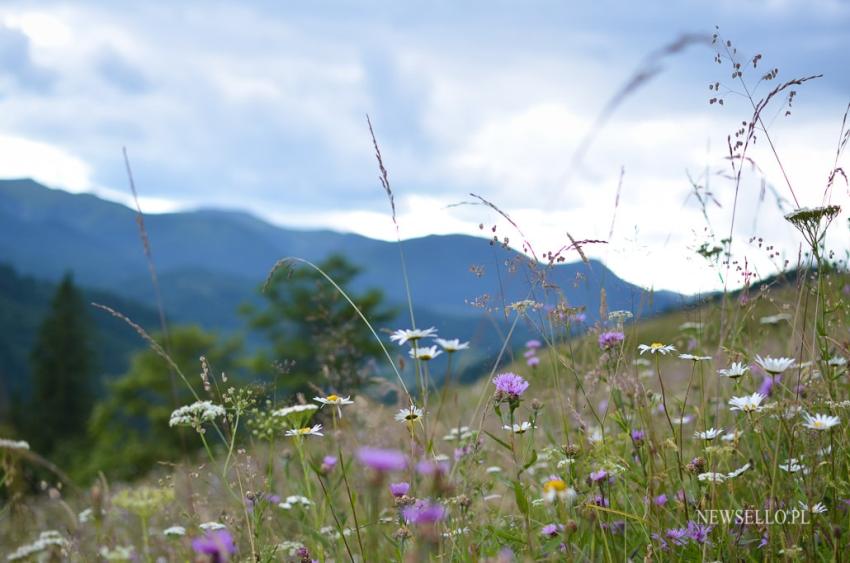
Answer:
[(717, 431)]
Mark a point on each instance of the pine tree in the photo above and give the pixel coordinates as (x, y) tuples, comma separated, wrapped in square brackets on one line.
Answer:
[(62, 366)]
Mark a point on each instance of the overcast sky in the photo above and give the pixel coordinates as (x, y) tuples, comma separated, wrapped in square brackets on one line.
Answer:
[(261, 106)]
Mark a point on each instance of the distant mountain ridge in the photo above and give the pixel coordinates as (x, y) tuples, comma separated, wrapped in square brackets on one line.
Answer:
[(210, 261)]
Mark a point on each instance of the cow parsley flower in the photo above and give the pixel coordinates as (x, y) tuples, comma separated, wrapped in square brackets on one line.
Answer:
[(294, 409), (294, 500), (211, 526), (13, 444), (50, 540), (837, 361), (820, 421), (174, 531), (712, 477), (657, 348), (196, 414)]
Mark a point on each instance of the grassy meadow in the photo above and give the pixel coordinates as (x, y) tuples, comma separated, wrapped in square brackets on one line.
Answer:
[(716, 432)]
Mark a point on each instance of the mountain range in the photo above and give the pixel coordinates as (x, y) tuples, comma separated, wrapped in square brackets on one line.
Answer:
[(211, 261)]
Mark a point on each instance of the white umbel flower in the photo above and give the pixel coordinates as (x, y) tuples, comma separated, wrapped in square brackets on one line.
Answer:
[(657, 348), (734, 371), (403, 336), (774, 366), (693, 358), (837, 361), (13, 444), (820, 421), (294, 409), (425, 353), (51, 539), (748, 403), (454, 345), (294, 500), (196, 414), (174, 531), (211, 526), (710, 434)]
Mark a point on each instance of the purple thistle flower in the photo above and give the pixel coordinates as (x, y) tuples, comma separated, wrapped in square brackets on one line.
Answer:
[(382, 460), (596, 476), (218, 545), (530, 353), (699, 532), (399, 489), (510, 384), (533, 344), (660, 500), (533, 362), (424, 512), (767, 384), (679, 536), (610, 339), (328, 463), (638, 436), (663, 543), (599, 500)]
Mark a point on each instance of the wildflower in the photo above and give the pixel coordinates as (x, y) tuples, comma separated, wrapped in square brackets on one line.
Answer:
[(510, 385), (428, 467), (551, 530), (196, 414), (425, 354), (681, 419), (610, 339), (410, 415), (698, 532), (144, 501), (174, 531), (774, 366), (693, 358), (793, 465), (748, 403), (382, 460), (660, 500), (619, 317), (837, 361), (820, 421), (493, 469), (211, 526), (532, 362), (775, 319), (451, 346), (533, 344), (218, 545), (398, 490), (739, 471), (734, 371), (334, 400), (328, 463), (709, 434), (402, 336), (50, 541), (818, 508), (712, 477), (678, 536), (294, 500), (554, 488), (657, 348), (424, 512), (315, 430), (294, 409), (638, 436), (462, 433), (118, 553), (521, 428), (13, 444), (596, 476)]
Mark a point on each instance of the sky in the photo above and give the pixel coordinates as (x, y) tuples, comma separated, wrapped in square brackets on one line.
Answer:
[(261, 106)]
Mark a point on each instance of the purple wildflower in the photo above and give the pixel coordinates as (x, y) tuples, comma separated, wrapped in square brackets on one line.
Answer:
[(599, 500), (679, 536), (399, 489), (596, 476), (610, 339), (767, 384), (218, 545), (660, 500), (663, 543), (424, 512), (533, 344), (430, 467), (699, 532), (533, 362), (328, 463), (382, 460), (638, 436), (510, 384), (549, 530)]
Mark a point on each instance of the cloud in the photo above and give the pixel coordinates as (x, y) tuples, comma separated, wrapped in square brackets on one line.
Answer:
[(17, 65), (122, 74)]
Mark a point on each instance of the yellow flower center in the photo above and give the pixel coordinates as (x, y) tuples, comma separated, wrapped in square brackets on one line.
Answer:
[(557, 485), (656, 345), (332, 398), (819, 424), (304, 430)]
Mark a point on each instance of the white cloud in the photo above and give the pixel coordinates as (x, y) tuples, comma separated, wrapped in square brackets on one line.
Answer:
[(25, 158)]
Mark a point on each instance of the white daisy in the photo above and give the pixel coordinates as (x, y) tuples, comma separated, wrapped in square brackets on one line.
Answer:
[(521, 428), (837, 361), (453, 345), (681, 419), (712, 477), (739, 471), (411, 414), (334, 400), (748, 403), (555, 488), (411, 335), (820, 421), (709, 434), (694, 358), (306, 431), (793, 465), (817, 508), (425, 353), (731, 437), (657, 348), (734, 371), (774, 366)]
